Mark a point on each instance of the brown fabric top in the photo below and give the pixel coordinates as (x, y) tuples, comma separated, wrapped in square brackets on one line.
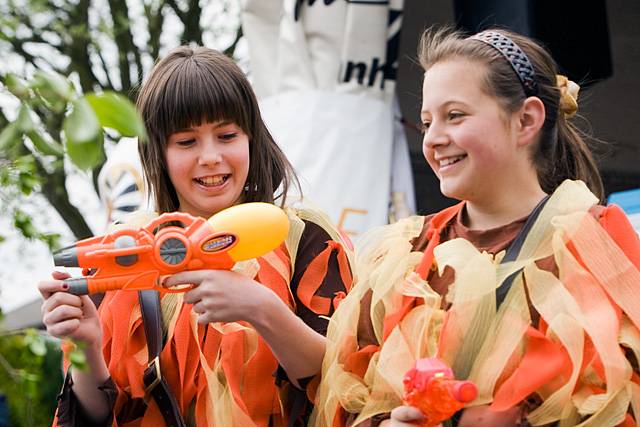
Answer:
[(492, 241)]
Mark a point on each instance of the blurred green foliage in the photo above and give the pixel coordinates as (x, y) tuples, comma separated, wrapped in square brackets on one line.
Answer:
[(30, 376), (30, 146)]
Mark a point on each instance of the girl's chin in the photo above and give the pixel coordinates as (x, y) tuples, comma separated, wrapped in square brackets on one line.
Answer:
[(451, 190)]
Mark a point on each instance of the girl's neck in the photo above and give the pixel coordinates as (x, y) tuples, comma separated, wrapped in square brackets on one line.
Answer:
[(502, 209)]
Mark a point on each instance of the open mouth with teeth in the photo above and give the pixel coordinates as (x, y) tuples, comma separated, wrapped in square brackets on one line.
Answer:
[(212, 181), (451, 160)]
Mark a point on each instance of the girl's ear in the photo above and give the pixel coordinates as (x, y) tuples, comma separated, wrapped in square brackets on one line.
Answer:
[(530, 120)]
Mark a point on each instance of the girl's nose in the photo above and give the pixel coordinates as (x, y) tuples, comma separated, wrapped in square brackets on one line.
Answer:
[(209, 155), (434, 136)]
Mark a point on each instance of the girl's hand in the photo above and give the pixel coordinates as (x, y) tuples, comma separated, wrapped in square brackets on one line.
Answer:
[(221, 295), (404, 416), (483, 416), (69, 316)]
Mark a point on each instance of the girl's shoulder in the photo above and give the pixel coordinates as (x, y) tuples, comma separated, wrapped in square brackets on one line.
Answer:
[(310, 224), (615, 222)]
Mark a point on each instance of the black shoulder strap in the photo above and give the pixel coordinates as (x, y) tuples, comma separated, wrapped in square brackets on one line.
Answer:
[(512, 253), (155, 385), (514, 249)]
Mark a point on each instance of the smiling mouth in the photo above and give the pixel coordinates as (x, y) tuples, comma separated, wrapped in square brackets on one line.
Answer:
[(212, 181), (451, 160)]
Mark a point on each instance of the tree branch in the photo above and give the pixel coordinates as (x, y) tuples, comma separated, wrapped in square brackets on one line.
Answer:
[(192, 29), (109, 85), (155, 20), (128, 52), (229, 51), (173, 5), (78, 49), (53, 188)]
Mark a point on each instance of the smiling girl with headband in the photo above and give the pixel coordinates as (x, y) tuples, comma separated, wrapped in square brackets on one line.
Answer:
[(528, 287)]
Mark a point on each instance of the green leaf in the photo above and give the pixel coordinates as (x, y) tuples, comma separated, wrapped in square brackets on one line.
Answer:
[(27, 183), (78, 359), (117, 112), (38, 347), (53, 87), (9, 137), (81, 126), (45, 146), (22, 222), (24, 121), (86, 155), (52, 240), (25, 163), (17, 86)]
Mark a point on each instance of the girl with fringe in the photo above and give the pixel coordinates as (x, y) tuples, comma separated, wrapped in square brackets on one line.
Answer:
[(241, 348)]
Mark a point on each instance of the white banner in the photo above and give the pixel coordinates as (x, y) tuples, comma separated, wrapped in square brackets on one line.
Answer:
[(324, 71)]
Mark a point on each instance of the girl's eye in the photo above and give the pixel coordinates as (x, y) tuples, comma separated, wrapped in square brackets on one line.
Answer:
[(455, 115), (185, 142), (228, 136), (425, 127)]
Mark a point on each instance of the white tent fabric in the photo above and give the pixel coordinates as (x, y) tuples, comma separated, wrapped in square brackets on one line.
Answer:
[(324, 71)]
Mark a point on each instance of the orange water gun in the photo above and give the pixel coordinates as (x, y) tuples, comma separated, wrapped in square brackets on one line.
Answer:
[(138, 258), (431, 387)]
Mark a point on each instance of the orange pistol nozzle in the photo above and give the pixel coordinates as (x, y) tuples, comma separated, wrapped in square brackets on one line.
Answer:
[(465, 391)]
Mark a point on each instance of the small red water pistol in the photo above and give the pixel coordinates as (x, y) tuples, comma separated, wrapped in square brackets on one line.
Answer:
[(138, 258), (431, 387)]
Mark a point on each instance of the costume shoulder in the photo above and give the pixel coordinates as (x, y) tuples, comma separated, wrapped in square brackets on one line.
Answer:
[(299, 217), (617, 225)]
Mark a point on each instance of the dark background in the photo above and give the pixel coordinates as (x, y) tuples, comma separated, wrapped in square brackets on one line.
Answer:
[(596, 43)]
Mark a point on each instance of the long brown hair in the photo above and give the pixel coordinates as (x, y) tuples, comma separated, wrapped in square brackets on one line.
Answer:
[(196, 85), (561, 152)]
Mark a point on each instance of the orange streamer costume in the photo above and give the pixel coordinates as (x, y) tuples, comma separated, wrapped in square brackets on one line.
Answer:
[(221, 374), (567, 336)]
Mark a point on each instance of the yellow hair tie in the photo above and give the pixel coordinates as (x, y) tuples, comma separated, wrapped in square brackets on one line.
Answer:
[(568, 95)]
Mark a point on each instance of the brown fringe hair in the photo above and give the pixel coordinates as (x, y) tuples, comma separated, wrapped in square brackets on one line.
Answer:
[(196, 85), (561, 152)]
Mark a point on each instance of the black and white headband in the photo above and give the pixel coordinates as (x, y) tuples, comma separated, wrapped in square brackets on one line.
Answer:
[(516, 57)]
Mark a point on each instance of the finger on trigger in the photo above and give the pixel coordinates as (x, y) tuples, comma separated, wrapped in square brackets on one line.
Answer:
[(60, 275), (50, 287), (185, 278)]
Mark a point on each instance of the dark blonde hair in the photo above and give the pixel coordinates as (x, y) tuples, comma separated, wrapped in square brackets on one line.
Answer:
[(561, 152), (196, 85)]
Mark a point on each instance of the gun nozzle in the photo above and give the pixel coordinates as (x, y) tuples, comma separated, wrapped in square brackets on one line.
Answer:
[(466, 391), (66, 257)]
